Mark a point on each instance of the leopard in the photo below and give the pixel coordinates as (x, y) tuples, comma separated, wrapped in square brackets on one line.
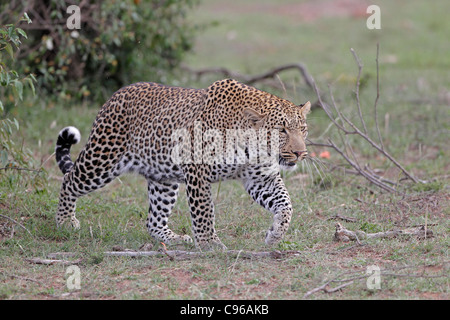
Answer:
[(134, 133)]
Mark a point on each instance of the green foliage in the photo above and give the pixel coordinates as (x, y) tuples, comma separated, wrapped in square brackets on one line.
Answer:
[(11, 92), (433, 186), (118, 42), (370, 227)]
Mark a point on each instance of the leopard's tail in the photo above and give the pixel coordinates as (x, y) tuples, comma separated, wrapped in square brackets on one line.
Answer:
[(66, 138)]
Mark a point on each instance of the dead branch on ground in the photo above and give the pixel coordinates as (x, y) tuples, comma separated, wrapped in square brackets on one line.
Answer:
[(53, 261), (326, 288), (184, 255), (181, 254), (343, 234)]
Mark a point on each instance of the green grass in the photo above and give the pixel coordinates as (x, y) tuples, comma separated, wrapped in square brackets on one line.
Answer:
[(253, 37)]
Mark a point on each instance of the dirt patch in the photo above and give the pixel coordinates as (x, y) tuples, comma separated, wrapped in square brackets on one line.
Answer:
[(368, 252), (432, 295)]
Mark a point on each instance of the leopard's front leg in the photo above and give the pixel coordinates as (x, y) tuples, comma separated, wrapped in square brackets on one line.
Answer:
[(201, 207), (271, 193)]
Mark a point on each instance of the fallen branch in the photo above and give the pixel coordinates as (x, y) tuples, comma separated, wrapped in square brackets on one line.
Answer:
[(326, 289), (53, 261), (343, 234), (181, 254), (172, 253)]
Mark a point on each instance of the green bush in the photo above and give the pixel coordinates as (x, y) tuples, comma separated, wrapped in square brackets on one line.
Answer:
[(119, 42), (11, 93)]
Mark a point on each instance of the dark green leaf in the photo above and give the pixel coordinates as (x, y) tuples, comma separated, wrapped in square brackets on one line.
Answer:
[(9, 49)]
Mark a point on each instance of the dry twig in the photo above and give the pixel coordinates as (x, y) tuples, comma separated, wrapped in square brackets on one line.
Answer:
[(343, 234), (164, 250), (326, 289), (53, 261), (181, 254), (14, 221)]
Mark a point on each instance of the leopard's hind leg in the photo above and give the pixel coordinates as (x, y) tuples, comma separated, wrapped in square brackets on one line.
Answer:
[(91, 171), (162, 198)]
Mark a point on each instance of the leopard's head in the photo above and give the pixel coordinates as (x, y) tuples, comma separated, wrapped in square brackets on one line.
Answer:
[(289, 120)]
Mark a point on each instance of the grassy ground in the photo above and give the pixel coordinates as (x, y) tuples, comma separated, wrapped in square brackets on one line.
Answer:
[(250, 38)]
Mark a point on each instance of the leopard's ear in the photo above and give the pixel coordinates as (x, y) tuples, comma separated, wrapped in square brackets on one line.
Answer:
[(305, 108), (255, 118)]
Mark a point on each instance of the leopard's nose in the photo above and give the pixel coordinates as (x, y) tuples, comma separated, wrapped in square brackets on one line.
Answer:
[(299, 154)]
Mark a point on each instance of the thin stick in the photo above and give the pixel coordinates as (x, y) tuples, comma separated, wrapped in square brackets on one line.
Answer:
[(325, 288), (326, 108), (387, 155), (6, 217), (21, 169), (338, 287), (188, 254), (164, 250), (376, 99), (360, 171), (358, 83), (53, 261), (322, 287)]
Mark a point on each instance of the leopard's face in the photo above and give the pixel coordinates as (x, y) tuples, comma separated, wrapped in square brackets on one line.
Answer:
[(293, 131), (289, 121)]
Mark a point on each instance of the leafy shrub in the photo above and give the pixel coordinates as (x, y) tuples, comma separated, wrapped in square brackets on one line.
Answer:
[(11, 92), (119, 42)]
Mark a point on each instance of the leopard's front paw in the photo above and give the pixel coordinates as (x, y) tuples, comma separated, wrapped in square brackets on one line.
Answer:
[(272, 237), (278, 229), (66, 223), (75, 223)]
